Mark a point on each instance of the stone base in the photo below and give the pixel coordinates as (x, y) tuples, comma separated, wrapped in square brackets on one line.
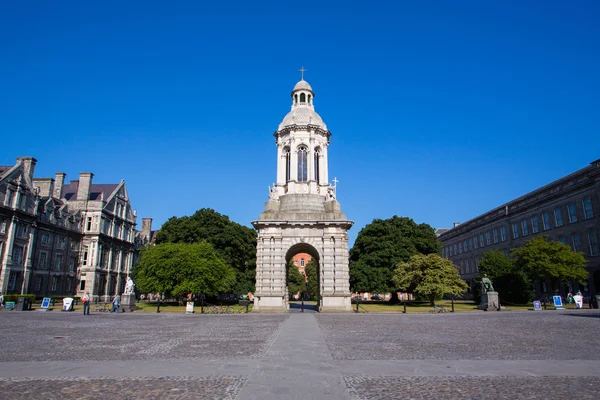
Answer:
[(128, 302), (270, 304), (335, 304), (489, 301)]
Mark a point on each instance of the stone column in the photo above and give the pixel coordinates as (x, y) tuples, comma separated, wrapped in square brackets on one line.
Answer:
[(280, 166), (7, 260), (325, 168), (28, 261), (294, 161)]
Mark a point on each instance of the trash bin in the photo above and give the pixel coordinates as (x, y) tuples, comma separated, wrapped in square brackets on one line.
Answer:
[(23, 304), (595, 301)]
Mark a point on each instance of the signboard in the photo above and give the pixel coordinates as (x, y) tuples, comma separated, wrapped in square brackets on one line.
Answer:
[(46, 303), (68, 304), (537, 305), (578, 300), (9, 305), (557, 302), (189, 307)]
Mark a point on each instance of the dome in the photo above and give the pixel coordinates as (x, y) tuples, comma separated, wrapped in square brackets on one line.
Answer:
[(302, 116), (302, 85)]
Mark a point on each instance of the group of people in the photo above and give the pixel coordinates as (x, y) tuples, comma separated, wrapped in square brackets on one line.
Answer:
[(86, 304), (577, 299)]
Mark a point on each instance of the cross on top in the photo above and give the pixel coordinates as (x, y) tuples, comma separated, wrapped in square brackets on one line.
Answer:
[(302, 70)]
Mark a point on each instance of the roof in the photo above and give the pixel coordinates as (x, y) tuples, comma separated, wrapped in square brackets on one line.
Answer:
[(4, 168), (302, 85), (96, 190), (302, 116)]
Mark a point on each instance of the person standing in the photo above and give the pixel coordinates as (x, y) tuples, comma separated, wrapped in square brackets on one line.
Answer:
[(86, 304), (115, 304)]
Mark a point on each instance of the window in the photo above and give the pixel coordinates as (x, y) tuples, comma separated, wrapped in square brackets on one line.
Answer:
[(316, 164), (45, 238), (302, 98), (459, 247), (63, 242), (38, 283), (475, 243), (12, 281), (593, 239), (451, 253), (572, 210), (587, 208), (68, 285), (503, 233), (302, 262), (54, 283), (72, 264), (2, 226), (42, 260), (563, 240), (481, 240), (82, 285), (447, 252), (476, 265), (88, 225), (455, 249), (515, 231), (488, 238), (470, 244), (58, 262), (21, 230), (495, 233), (9, 198), (288, 163), (85, 255), (546, 221), (17, 254), (302, 163), (465, 245), (467, 266), (525, 227), (558, 219), (576, 240), (535, 224)]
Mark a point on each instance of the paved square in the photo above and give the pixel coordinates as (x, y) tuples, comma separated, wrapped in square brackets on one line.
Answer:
[(516, 355)]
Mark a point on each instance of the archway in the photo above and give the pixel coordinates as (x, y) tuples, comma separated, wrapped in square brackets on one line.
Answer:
[(306, 258)]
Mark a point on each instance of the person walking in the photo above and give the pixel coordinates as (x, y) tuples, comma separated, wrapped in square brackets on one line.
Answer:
[(115, 304), (1, 301), (86, 304)]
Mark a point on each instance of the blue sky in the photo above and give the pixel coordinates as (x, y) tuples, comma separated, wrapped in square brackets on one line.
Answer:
[(439, 111)]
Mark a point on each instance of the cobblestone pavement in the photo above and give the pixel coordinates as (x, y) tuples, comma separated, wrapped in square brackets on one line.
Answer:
[(516, 355)]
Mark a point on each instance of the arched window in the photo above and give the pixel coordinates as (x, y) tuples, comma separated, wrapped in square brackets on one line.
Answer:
[(302, 98), (302, 164), (309, 98), (295, 99), (287, 163), (316, 164)]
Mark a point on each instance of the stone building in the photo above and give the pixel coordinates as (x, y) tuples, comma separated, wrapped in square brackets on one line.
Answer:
[(566, 210), (302, 214), (64, 239)]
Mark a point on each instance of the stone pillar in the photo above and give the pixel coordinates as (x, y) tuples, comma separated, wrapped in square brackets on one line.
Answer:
[(28, 261), (7, 259), (280, 166)]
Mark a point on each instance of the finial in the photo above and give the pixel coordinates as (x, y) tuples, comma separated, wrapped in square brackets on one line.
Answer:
[(302, 70)]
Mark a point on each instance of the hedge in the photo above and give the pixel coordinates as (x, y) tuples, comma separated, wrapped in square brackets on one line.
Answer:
[(15, 297)]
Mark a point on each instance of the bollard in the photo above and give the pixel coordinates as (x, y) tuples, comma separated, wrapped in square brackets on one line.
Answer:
[(356, 305), (158, 305), (453, 304), (247, 305), (404, 312), (302, 303)]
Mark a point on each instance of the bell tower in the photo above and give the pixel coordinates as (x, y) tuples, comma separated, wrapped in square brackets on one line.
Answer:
[(302, 213)]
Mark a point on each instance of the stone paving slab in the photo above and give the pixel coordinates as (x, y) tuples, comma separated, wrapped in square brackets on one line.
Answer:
[(485, 388), (222, 387), (542, 335)]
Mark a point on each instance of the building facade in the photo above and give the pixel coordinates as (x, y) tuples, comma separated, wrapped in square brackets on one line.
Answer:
[(64, 239), (302, 214), (566, 210)]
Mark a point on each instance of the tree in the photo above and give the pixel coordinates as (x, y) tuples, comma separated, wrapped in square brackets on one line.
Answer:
[(381, 246), (296, 281), (548, 261), (177, 269), (312, 274), (234, 243), (429, 276), (512, 285)]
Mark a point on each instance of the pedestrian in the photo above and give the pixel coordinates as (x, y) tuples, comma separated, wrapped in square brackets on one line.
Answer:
[(115, 304), (86, 304), (1, 301)]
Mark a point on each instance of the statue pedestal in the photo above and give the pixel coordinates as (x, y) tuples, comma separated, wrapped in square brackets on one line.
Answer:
[(128, 302), (489, 301)]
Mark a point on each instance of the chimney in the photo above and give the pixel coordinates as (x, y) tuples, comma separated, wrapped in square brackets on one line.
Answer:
[(456, 224), (28, 165), (146, 228), (58, 185), (85, 183), (44, 185)]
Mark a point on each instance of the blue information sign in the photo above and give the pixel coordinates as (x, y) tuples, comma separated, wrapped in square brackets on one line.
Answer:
[(557, 301), (46, 302), (537, 305)]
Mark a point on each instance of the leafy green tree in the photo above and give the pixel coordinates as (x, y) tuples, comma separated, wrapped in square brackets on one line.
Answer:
[(548, 261), (312, 274), (512, 285), (234, 243), (177, 269), (296, 281), (381, 246), (429, 276)]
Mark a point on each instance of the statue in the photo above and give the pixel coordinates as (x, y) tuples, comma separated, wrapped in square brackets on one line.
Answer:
[(486, 284), (273, 193), (330, 194), (129, 286)]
